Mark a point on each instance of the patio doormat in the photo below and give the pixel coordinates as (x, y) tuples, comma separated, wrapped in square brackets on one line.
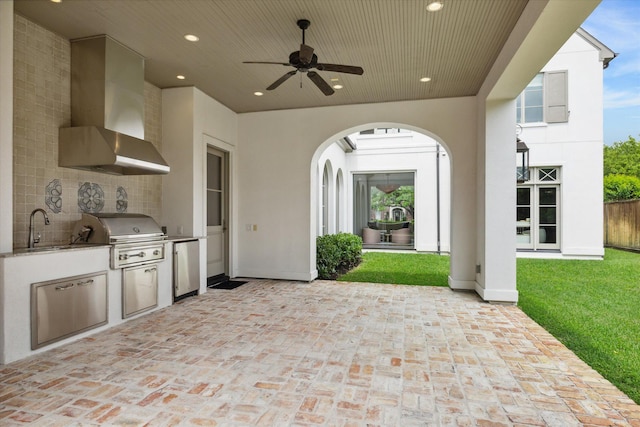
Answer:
[(229, 284)]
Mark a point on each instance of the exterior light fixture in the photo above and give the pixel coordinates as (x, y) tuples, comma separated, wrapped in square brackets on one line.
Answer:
[(338, 86), (180, 77), (258, 93), (191, 37), (425, 79), (522, 161)]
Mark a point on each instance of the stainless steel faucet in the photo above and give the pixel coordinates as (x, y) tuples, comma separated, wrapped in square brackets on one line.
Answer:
[(32, 241)]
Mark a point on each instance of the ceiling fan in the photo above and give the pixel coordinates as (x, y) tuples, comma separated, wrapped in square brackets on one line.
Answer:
[(304, 60)]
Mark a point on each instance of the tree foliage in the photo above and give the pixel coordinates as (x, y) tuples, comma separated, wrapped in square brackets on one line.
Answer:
[(621, 187), (622, 158), (404, 197), (621, 164)]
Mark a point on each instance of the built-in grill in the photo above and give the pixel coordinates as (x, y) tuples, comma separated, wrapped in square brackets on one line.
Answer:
[(134, 238)]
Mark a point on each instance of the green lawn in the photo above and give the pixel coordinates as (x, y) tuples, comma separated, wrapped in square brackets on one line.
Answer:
[(593, 307), (402, 269)]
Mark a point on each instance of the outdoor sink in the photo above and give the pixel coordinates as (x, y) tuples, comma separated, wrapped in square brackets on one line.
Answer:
[(49, 248), (53, 248)]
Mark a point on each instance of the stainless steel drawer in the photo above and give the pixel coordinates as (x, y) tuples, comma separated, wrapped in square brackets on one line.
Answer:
[(65, 307)]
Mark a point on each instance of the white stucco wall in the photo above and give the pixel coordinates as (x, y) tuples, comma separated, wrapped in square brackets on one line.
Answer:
[(576, 147), (192, 121), (276, 146)]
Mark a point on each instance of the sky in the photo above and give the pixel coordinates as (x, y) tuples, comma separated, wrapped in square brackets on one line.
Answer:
[(616, 23)]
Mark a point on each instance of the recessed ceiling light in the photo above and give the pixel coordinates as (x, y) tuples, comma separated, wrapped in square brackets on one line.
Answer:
[(425, 79), (191, 37), (56, 1), (434, 6), (335, 79), (258, 93), (338, 86), (180, 77)]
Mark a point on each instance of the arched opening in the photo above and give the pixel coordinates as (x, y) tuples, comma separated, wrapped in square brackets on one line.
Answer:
[(392, 187)]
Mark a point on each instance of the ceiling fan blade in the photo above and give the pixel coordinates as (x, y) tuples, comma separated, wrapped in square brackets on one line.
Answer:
[(319, 81), (281, 80), (266, 62), (349, 69), (306, 53)]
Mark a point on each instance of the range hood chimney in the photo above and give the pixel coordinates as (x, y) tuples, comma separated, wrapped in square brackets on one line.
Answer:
[(107, 112)]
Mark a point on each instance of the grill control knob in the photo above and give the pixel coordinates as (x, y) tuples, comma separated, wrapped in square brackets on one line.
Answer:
[(142, 254), (123, 256), (156, 252)]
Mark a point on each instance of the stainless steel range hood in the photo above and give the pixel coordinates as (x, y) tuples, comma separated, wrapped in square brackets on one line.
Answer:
[(107, 112)]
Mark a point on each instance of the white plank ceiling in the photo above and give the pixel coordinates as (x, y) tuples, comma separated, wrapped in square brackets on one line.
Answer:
[(396, 42)]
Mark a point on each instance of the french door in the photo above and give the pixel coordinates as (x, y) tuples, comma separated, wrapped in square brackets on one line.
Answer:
[(216, 212), (538, 217)]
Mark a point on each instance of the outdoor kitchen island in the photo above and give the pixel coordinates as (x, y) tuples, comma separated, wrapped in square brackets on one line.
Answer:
[(21, 268)]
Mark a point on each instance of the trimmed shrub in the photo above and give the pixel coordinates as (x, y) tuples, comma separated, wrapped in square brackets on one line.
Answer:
[(336, 254), (621, 187)]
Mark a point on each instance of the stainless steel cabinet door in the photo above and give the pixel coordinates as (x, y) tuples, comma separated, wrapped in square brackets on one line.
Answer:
[(62, 308), (139, 289), (186, 267), (54, 312), (91, 298)]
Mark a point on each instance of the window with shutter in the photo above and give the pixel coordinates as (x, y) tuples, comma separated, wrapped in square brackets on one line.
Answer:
[(544, 99), (555, 84)]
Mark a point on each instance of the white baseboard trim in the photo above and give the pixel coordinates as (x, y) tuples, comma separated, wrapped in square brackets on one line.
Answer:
[(459, 285), (556, 255), (279, 275), (497, 295)]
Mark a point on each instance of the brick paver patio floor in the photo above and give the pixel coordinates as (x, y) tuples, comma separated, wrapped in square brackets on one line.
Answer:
[(279, 353)]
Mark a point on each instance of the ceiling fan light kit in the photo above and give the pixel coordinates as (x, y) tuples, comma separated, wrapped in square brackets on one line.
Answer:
[(305, 60)]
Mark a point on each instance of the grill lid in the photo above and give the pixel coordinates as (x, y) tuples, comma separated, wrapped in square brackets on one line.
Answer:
[(116, 228)]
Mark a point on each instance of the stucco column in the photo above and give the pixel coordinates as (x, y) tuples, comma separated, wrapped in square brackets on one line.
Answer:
[(464, 212), (496, 267), (6, 126)]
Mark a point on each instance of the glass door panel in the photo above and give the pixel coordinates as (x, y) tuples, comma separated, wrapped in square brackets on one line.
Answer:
[(523, 218), (547, 216), (217, 243)]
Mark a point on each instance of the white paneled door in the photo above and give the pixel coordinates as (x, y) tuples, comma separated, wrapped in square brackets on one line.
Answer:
[(216, 212)]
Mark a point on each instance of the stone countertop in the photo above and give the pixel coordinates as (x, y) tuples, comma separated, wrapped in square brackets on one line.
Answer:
[(183, 238), (51, 249)]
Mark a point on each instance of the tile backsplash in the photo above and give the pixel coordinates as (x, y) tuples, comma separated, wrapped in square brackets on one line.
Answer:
[(42, 105)]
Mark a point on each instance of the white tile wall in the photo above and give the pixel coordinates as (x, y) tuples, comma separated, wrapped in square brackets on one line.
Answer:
[(42, 95)]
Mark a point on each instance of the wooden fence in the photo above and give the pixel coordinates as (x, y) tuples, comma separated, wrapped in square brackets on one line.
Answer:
[(622, 224)]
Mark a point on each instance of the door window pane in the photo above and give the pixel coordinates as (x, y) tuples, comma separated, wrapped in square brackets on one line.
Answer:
[(524, 196), (547, 196), (547, 215), (214, 208), (547, 234), (214, 172), (524, 213)]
